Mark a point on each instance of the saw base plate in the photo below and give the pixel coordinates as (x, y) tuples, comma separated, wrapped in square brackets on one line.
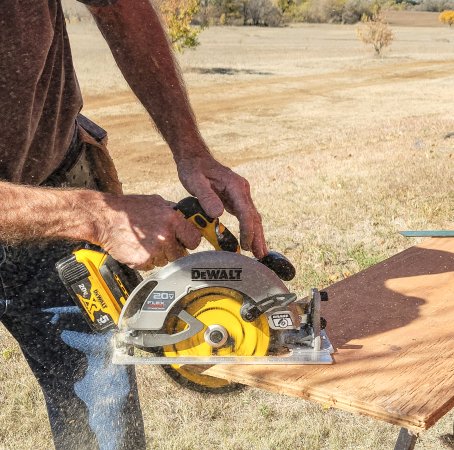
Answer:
[(296, 356)]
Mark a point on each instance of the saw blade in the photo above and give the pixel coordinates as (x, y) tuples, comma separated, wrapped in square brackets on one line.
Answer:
[(219, 310)]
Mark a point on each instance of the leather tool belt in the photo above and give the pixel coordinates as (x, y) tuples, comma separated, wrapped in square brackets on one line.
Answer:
[(88, 164)]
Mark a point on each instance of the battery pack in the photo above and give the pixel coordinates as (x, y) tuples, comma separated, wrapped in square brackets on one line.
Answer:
[(98, 284)]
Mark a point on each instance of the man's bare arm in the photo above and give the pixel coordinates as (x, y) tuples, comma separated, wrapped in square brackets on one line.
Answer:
[(142, 231), (140, 46), (31, 213), (133, 30)]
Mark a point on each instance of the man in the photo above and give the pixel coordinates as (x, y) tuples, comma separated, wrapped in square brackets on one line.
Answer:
[(44, 154)]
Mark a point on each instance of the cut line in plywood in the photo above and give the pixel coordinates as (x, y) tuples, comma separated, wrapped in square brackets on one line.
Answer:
[(393, 328)]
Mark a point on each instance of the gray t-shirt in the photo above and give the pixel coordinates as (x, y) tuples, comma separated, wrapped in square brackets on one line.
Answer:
[(39, 93)]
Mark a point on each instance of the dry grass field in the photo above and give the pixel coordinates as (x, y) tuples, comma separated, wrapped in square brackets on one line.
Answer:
[(342, 150)]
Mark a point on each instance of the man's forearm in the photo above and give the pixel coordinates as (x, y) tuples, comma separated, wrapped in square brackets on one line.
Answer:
[(133, 30), (142, 231), (31, 213)]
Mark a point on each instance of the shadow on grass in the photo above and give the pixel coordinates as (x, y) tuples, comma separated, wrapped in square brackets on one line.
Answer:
[(227, 71), (448, 440)]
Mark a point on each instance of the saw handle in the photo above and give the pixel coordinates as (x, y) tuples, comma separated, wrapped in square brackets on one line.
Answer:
[(212, 230), (221, 237)]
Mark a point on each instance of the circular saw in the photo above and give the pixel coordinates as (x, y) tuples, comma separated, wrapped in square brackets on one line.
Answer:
[(220, 307), (211, 307)]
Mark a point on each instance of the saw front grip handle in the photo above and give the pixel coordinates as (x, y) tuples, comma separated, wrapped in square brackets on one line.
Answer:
[(221, 238), (212, 230), (280, 265)]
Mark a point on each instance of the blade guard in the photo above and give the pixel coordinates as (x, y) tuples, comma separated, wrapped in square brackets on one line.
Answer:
[(150, 303)]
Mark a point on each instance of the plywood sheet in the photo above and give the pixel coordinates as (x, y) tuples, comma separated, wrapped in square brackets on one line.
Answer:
[(393, 328)]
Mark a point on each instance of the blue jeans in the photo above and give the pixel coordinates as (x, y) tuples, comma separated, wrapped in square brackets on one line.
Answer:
[(91, 403)]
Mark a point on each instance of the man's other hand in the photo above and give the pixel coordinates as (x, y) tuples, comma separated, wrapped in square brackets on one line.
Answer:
[(144, 231), (216, 187)]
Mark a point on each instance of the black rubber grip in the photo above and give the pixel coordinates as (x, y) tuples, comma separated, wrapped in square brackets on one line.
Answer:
[(280, 265), (190, 206), (71, 271), (227, 241)]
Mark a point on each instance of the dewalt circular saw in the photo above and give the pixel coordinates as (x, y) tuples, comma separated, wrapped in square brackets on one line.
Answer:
[(211, 307)]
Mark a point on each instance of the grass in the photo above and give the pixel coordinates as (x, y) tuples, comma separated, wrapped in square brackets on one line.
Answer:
[(342, 151)]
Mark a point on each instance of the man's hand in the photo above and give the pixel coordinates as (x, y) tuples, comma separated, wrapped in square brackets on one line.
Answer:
[(217, 186), (144, 231)]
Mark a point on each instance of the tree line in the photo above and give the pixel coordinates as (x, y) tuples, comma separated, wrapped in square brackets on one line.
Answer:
[(281, 12)]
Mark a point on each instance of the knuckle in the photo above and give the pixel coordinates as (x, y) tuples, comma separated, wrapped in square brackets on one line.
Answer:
[(193, 244), (246, 184), (249, 224), (192, 232), (139, 263), (156, 197)]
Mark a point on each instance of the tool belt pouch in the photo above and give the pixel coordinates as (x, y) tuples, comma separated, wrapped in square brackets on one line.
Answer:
[(93, 167), (97, 156)]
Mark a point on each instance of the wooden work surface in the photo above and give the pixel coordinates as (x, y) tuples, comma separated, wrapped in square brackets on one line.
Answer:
[(392, 326)]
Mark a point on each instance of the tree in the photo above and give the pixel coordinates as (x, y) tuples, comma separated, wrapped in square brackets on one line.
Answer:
[(447, 17), (375, 31), (285, 5), (178, 15), (228, 11), (262, 12)]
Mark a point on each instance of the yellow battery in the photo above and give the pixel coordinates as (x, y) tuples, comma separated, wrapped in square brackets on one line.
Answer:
[(99, 284)]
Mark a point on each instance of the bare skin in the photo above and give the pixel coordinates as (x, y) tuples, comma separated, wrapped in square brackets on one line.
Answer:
[(140, 231)]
